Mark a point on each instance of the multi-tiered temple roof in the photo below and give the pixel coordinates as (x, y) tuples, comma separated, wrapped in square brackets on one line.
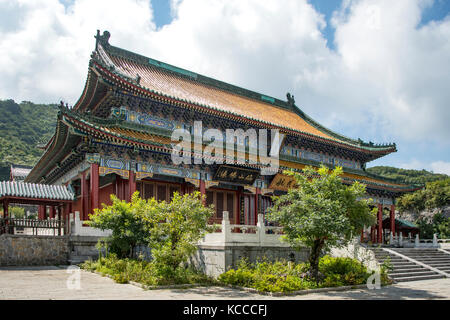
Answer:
[(118, 77)]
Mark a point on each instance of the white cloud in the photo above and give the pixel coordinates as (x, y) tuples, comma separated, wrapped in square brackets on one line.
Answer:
[(441, 167), (45, 56), (413, 164), (387, 79), (436, 166)]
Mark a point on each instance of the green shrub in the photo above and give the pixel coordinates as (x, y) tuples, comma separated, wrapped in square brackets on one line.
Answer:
[(283, 276), (344, 271), (148, 273)]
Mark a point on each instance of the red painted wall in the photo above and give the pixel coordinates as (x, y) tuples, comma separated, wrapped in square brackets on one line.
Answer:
[(76, 205), (104, 194)]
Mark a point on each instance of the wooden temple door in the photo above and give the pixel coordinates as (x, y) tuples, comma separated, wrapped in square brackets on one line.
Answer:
[(248, 209), (222, 201)]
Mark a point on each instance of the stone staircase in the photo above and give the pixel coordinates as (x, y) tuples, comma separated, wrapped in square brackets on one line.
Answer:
[(432, 257), (404, 269), (75, 260)]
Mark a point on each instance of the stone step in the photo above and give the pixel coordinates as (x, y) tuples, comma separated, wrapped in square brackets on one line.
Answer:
[(430, 258), (438, 260), (437, 265), (392, 258), (437, 256), (410, 269), (416, 250), (418, 278), (420, 253), (78, 259), (396, 274), (445, 269), (406, 263)]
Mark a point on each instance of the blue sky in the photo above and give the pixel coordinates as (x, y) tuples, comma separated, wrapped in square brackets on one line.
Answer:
[(436, 12), (376, 70)]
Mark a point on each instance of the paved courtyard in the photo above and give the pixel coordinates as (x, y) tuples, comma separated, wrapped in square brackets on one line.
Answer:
[(52, 283)]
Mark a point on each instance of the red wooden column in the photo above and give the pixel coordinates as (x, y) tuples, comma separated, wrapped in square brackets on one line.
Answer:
[(84, 197), (238, 206), (52, 212), (59, 219), (202, 187), (257, 193), (131, 184), (5, 214), (94, 181), (392, 218), (5, 209), (41, 212), (380, 223), (372, 234)]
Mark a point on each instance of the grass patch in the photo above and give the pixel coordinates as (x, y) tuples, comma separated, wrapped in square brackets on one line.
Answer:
[(282, 276), (147, 273)]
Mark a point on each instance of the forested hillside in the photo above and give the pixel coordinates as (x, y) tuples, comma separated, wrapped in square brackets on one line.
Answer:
[(407, 176), (22, 127)]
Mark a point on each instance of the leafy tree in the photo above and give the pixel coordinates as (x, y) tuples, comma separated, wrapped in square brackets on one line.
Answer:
[(321, 212), (439, 224), (171, 230), (16, 212), (174, 228), (125, 220), (414, 201), (435, 195)]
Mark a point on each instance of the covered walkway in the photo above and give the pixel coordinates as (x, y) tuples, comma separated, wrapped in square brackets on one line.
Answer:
[(58, 200)]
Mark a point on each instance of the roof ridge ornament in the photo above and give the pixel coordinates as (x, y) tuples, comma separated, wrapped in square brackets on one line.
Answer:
[(103, 39), (290, 100)]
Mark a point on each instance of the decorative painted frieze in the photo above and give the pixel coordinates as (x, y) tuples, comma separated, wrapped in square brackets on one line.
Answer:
[(209, 184), (195, 182), (143, 175), (123, 173), (318, 157), (144, 119)]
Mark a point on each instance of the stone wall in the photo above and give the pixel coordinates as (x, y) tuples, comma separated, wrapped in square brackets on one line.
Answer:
[(214, 260), (83, 246), (24, 250)]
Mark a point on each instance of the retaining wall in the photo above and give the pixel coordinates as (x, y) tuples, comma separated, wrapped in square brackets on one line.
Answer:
[(26, 250)]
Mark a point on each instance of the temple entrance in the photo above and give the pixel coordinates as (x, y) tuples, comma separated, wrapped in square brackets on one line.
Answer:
[(248, 210), (161, 191), (222, 201)]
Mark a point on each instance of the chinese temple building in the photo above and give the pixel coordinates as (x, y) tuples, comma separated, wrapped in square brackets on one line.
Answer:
[(19, 172), (116, 139)]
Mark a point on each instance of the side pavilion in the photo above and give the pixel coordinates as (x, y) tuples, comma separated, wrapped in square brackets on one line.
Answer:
[(57, 198)]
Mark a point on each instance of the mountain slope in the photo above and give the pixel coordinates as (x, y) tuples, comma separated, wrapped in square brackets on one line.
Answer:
[(407, 176), (22, 127)]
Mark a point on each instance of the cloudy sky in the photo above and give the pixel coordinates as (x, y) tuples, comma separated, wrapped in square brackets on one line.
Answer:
[(372, 69)]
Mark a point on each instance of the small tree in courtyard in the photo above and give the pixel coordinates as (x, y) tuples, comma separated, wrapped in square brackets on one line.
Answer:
[(174, 228), (125, 220), (321, 212), (171, 229)]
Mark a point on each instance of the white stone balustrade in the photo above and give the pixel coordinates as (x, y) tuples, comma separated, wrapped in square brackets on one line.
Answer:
[(245, 235), (77, 228)]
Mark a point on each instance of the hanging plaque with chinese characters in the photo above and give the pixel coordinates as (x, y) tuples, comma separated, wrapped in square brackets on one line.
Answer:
[(236, 175), (282, 182)]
